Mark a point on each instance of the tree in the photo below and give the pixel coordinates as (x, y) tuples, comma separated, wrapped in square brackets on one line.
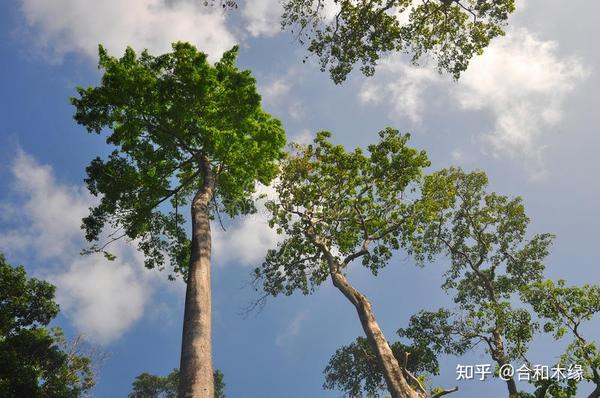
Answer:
[(187, 133), (335, 207), (451, 31), (151, 386), (484, 235), (354, 368), (35, 360), (564, 310)]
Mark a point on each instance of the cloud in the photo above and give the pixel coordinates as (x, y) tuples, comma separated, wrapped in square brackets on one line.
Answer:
[(78, 26), (246, 241), (275, 90), (292, 330), (304, 137), (102, 299), (521, 81), (276, 94), (524, 83), (263, 17), (400, 84)]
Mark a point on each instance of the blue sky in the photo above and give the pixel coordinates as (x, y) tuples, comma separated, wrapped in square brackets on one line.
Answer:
[(526, 112)]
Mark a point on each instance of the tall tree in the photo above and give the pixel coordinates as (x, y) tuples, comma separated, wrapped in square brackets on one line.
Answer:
[(491, 261), (565, 310), (343, 33), (184, 132), (335, 207), (35, 360)]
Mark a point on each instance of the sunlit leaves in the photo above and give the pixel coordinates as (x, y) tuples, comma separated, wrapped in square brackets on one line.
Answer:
[(165, 114), (358, 204)]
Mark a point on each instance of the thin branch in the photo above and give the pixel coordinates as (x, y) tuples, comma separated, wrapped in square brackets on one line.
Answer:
[(445, 392), (214, 198)]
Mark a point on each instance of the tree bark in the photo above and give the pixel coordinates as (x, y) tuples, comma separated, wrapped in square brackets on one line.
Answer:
[(397, 385), (196, 370), (500, 356), (596, 392)]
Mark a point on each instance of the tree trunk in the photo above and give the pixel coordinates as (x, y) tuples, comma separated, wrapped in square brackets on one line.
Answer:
[(196, 370), (397, 385), (595, 393), (500, 357)]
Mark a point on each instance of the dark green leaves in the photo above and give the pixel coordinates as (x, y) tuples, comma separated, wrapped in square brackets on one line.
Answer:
[(166, 115), (35, 361), (451, 31), (25, 303), (147, 385)]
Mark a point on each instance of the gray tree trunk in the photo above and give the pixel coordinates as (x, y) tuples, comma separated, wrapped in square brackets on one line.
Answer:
[(396, 383), (196, 370), (595, 393)]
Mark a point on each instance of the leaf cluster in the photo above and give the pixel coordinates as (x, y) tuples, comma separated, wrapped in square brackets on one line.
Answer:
[(147, 385), (35, 360), (449, 31), (354, 369)]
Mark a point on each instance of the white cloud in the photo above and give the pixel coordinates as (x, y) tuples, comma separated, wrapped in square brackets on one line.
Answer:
[(520, 80), (246, 241), (400, 84), (54, 211), (102, 299), (263, 17), (304, 137), (292, 330), (275, 90), (78, 26), (523, 82)]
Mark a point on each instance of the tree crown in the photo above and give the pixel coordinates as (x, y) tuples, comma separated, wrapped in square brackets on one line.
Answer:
[(171, 118)]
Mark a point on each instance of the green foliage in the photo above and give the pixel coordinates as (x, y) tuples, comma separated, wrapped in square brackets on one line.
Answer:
[(565, 309), (355, 203), (354, 369), (35, 361), (450, 31), (170, 117), (151, 386), (484, 235)]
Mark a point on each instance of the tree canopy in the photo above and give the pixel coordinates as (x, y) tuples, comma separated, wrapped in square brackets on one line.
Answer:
[(147, 385), (491, 261), (344, 33), (35, 360), (167, 116)]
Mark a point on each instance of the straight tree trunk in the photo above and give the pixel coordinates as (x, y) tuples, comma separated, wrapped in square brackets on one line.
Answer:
[(196, 370), (393, 374)]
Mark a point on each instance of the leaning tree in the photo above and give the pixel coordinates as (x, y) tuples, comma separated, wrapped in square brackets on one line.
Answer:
[(335, 208), (185, 133)]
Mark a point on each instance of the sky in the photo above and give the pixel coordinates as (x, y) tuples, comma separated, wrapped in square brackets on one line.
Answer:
[(526, 113)]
